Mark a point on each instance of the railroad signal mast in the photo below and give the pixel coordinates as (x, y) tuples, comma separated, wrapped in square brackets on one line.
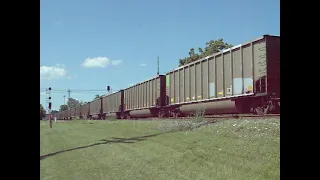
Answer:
[(108, 90), (48, 92)]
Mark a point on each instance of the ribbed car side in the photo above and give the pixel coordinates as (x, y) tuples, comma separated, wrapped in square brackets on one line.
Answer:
[(245, 78)]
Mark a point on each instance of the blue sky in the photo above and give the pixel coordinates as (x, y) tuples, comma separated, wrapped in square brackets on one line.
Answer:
[(89, 44)]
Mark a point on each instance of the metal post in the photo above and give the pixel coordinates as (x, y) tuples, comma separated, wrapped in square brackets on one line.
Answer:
[(50, 119), (69, 95), (158, 67), (49, 100)]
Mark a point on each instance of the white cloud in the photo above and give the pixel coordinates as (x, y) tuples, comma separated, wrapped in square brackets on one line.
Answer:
[(99, 62), (143, 65), (42, 93), (52, 72)]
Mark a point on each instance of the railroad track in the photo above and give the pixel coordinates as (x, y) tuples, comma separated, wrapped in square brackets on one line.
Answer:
[(234, 116), (244, 116), (227, 116), (208, 117)]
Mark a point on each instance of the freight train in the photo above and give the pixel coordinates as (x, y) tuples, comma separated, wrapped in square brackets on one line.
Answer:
[(242, 79)]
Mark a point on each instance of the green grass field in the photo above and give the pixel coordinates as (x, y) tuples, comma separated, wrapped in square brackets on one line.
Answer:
[(226, 150)]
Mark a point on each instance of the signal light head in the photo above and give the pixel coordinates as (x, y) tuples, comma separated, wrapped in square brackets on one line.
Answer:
[(49, 88)]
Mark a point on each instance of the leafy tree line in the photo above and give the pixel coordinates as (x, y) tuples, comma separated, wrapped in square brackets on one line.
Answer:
[(74, 103), (42, 112), (212, 46), (71, 103)]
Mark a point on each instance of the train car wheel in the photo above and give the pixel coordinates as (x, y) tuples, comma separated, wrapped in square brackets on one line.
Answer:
[(160, 115), (259, 111), (122, 116)]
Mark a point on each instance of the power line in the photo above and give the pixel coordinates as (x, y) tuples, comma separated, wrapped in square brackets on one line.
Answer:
[(42, 90), (80, 91), (60, 91), (96, 91), (66, 90)]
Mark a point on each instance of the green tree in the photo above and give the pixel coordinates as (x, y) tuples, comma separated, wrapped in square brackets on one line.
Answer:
[(54, 112), (63, 107), (200, 50), (81, 102), (72, 103), (212, 46), (42, 112), (97, 96)]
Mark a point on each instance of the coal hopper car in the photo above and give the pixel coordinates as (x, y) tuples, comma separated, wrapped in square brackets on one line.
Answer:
[(145, 99), (244, 78)]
